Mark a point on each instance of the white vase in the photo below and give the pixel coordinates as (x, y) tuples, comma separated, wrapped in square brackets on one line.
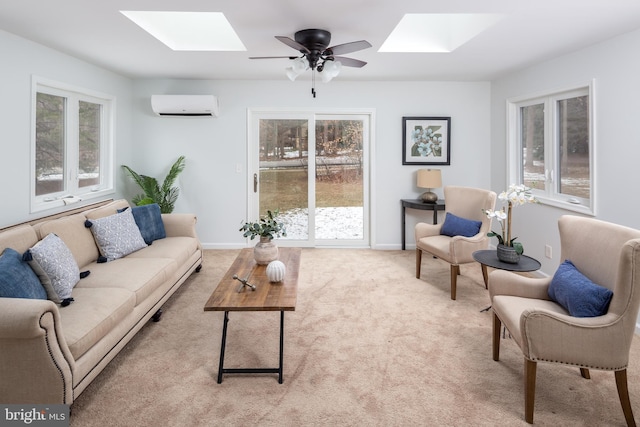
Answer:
[(265, 251)]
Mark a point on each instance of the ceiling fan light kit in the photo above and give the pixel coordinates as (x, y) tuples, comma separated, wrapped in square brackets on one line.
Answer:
[(298, 66), (317, 56)]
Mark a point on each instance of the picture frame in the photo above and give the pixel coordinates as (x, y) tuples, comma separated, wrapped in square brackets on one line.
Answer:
[(426, 140)]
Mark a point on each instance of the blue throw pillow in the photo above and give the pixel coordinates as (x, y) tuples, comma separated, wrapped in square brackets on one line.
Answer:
[(457, 226), (149, 220), (577, 294), (17, 279)]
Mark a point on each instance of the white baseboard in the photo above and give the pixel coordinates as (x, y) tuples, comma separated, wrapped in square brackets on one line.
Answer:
[(223, 245)]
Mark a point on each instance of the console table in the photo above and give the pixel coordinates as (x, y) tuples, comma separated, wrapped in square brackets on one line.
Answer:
[(419, 204)]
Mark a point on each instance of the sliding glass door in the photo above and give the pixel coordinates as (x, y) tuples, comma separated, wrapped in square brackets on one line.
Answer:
[(313, 169)]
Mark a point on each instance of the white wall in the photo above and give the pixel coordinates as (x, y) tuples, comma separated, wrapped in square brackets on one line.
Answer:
[(617, 108), (211, 187), (21, 59)]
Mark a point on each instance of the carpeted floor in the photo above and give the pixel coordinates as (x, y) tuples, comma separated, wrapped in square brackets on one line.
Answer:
[(368, 344)]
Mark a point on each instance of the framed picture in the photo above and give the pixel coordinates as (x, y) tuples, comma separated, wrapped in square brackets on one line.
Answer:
[(426, 140)]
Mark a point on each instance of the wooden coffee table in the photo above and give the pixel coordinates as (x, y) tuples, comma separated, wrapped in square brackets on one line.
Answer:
[(267, 296)]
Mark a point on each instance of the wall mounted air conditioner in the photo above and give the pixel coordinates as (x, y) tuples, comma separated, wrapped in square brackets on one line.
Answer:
[(185, 105)]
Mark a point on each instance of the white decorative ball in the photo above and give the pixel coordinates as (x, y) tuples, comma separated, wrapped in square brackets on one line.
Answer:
[(275, 271)]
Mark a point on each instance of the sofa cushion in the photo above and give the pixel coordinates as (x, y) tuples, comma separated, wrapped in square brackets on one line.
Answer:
[(97, 312), (19, 238), (577, 293), (457, 226), (149, 220), (75, 235), (17, 279), (117, 235), (55, 266), (106, 210), (139, 275), (179, 249)]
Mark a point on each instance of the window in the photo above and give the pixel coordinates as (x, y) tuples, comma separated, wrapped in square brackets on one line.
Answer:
[(72, 147), (551, 147)]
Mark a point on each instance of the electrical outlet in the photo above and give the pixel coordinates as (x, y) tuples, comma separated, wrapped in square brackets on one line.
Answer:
[(547, 251)]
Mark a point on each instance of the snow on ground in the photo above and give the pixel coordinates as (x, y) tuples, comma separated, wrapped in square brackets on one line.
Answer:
[(331, 223)]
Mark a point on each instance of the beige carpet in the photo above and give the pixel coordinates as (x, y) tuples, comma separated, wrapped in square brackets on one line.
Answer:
[(368, 344)]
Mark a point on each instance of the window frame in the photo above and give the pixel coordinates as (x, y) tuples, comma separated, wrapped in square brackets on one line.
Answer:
[(549, 194), (73, 96)]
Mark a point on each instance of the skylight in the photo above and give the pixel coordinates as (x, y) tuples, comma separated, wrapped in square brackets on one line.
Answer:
[(439, 32), (188, 30)]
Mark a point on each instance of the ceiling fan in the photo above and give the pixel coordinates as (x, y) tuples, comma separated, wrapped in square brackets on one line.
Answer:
[(313, 44)]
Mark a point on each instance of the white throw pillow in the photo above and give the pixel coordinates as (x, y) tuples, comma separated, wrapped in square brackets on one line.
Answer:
[(117, 235), (55, 266)]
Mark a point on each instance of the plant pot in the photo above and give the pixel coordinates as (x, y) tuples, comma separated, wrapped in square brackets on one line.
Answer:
[(265, 251), (507, 254)]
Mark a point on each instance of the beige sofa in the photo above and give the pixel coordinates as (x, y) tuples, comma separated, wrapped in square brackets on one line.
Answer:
[(49, 353)]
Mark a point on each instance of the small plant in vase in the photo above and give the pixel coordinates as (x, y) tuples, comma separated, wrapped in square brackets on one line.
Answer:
[(266, 228), (508, 249)]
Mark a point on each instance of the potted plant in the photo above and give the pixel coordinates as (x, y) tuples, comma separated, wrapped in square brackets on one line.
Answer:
[(267, 228), (508, 249), (166, 195)]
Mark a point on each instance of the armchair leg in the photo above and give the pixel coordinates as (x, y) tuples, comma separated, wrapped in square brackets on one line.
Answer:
[(455, 271), (418, 262), (497, 325), (529, 389), (585, 373), (623, 394)]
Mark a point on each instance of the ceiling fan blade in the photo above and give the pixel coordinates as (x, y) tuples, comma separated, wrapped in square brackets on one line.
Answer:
[(350, 62), (292, 43), (273, 57), (341, 49)]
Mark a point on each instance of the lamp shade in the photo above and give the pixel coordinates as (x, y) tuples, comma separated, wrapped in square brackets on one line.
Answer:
[(330, 69), (429, 178), (298, 66)]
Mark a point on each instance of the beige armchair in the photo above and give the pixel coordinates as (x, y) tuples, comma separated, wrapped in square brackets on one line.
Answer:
[(607, 254), (464, 202)]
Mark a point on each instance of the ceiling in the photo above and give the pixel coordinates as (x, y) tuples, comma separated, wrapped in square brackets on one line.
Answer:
[(531, 31)]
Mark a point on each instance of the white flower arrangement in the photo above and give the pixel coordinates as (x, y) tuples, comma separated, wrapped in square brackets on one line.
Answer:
[(515, 195)]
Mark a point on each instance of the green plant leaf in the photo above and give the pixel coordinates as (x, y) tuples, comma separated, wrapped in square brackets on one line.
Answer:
[(145, 201), (518, 247), (171, 177), (165, 196), (496, 235)]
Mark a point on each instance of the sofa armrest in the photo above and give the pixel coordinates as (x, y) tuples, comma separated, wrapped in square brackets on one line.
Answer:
[(180, 225), (36, 365)]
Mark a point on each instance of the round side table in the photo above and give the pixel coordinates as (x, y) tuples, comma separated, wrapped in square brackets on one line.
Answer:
[(488, 257)]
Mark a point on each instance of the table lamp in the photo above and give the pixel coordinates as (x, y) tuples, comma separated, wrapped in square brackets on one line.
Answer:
[(429, 179)]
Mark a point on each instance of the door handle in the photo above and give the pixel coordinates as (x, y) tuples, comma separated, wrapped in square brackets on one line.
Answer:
[(255, 182)]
